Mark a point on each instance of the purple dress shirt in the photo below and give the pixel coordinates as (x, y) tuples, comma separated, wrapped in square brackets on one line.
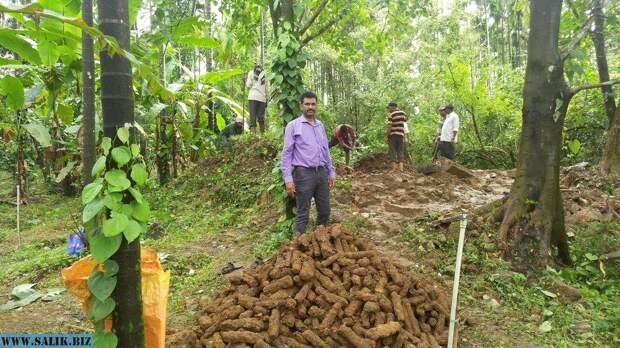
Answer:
[(305, 145)]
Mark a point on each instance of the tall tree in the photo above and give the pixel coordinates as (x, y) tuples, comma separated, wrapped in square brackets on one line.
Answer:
[(533, 220), (163, 154), (88, 95), (534, 216), (598, 38), (292, 23), (610, 162), (118, 109)]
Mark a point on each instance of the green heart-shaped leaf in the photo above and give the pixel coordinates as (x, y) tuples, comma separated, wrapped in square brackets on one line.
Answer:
[(110, 267), (100, 285), (141, 211), (121, 155), (105, 340), (123, 135), (135, 150), (133, 230), (117, 178), (103, 247), (115, 225), (139, 174), (111, 202), (99, 310), (92, 209), (106, 145), (99, 166), (136, 194), (91, 191)]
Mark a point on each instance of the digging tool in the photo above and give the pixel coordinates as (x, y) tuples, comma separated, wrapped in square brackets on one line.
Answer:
[(435, 151), (457, 277)]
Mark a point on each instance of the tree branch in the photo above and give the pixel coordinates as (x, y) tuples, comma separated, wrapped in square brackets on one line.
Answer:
[(576, 90), (322, 30), (573, 9), (583, 30), (314, 17)]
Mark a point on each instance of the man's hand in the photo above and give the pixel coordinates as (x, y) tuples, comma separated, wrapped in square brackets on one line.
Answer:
[(332, 182), (290, 189)]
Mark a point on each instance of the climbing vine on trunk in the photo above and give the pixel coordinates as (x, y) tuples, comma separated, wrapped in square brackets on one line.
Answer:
[(113, 208), (286, 72)]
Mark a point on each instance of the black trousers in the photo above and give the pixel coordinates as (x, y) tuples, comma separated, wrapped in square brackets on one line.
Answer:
[(446, 149), (257, 112), (311, 183), (397, 148)]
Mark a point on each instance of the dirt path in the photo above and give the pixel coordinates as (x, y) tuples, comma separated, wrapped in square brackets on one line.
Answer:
[(388, 201)]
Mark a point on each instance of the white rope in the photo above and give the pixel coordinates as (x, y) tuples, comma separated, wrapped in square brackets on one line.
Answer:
[(19, 236), (455, 287)]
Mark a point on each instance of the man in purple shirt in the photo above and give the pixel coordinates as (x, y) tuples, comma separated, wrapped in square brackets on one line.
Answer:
[(306, 165)]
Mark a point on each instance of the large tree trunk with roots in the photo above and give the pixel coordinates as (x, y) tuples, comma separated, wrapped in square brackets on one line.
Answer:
[(610, 163), (534, 217), (117, 103)]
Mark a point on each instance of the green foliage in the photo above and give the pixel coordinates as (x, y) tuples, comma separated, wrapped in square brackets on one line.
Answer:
[(282, 231), (114, 209), (13, 89), (286, 73)]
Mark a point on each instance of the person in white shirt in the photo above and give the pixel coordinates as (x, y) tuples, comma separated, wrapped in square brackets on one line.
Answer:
[(449, 132), (257, 97)]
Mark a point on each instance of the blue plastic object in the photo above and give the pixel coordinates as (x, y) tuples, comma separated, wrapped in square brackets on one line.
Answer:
[(75, 242)]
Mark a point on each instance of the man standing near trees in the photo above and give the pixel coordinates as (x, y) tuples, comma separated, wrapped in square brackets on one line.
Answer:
[(257, 98), (306, 164), (396, 135), (442, 118), (449, 130)]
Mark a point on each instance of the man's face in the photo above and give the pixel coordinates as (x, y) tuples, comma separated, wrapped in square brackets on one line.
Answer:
[(308, 106), (443, 112), (391, 109)]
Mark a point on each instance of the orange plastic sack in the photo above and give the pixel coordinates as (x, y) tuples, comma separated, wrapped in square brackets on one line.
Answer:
[(155, 282)]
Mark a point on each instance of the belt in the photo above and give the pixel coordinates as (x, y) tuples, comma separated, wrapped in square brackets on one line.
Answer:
[(316, 169)]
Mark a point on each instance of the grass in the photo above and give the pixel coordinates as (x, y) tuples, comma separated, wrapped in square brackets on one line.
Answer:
[(209, 217), (530, 307), (45, 224)]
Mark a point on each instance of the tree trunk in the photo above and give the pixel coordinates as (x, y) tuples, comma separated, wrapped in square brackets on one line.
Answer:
[(533, 220), (610, 163), (88, 95), (163, 170), (117, 103), (601, 59), (175, 151)]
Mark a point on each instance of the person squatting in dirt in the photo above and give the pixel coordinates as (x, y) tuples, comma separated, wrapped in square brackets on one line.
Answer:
[(396, 135), (449, 131), (234, 128), (306, 165), (257, 97), (344, 135)]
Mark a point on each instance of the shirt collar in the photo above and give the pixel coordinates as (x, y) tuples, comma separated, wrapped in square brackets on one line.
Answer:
[(302, 118)]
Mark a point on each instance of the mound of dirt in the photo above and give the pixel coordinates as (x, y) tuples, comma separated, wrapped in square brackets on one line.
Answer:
[(588, 196), (325, 289), (373, 162)]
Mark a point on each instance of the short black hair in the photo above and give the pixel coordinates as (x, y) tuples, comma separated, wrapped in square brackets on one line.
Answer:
[(307, 95), (449, 107), (392, 104)]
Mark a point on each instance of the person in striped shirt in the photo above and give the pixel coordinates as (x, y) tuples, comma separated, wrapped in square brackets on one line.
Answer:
[(396, 135)]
